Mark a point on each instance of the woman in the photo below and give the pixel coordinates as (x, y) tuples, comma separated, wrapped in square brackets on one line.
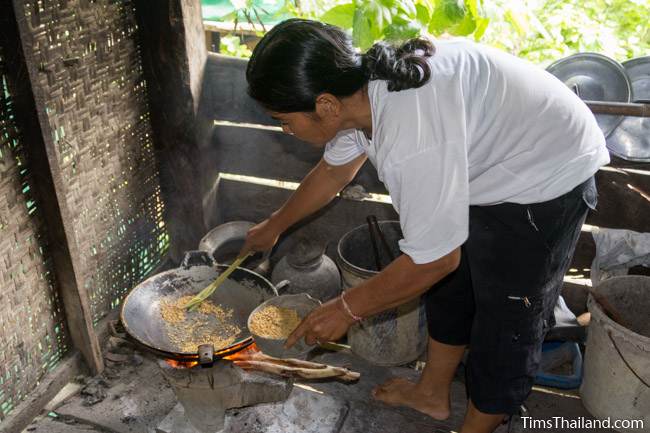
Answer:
[(489, 162)]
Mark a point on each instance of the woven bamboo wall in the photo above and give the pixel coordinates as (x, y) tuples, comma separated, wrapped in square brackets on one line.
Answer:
[(95, 109), (33, 337)]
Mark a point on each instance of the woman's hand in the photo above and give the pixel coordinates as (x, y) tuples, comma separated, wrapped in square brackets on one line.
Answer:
[(329, 322), (262, 237)]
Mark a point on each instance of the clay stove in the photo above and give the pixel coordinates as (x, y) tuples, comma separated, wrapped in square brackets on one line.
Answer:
[(205, 392)]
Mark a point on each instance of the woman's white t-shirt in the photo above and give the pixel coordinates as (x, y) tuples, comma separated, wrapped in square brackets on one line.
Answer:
[(487, 128)]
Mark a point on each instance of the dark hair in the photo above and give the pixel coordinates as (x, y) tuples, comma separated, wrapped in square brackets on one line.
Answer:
[(300, 59)]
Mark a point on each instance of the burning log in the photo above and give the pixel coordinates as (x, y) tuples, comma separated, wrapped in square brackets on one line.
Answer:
[(251, 360)]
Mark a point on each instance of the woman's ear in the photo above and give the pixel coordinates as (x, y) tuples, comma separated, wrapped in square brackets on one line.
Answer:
[(328, 106)]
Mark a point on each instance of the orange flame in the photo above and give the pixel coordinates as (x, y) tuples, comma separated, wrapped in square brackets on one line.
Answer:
[(242, 353), (181, 364)]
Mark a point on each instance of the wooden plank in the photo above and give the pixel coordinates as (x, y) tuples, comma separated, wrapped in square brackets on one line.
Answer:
[(174, 55), (250, 202), (616, 162), (31, 115), (271, 155), (229, 27), (621, 201), (71, 366)]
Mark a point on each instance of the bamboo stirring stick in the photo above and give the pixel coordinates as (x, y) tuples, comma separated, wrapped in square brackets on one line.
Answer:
[(205, 293)]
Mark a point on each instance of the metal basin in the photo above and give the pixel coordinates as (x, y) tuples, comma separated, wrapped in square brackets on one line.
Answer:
[(631, 139), (595, 77)]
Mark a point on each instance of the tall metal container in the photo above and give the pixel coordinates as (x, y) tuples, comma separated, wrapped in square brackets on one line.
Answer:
[(393, 337)]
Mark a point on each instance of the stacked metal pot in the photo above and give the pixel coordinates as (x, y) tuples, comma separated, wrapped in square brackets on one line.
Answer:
[(595, 77)]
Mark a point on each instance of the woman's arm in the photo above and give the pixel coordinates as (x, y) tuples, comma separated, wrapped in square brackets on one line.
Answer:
[(398, 283), (316, 190)]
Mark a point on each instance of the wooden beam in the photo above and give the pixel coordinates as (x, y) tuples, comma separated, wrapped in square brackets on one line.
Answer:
[(623, 199), (33, 121), (174, 57), (229, 27)]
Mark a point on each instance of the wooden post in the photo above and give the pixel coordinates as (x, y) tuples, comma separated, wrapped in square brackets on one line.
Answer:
[(174, 56), (30, 111)]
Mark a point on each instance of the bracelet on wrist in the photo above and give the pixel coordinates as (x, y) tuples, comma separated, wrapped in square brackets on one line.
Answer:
[(347, 309)]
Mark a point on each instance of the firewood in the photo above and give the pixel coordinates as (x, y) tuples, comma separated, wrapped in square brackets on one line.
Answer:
[(305, 373), (294, 367)]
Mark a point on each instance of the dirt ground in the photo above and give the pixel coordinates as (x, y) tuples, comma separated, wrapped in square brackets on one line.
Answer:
[(131, 396)]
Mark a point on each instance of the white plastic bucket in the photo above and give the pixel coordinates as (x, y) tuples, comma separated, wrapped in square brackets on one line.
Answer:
[(617, 359)]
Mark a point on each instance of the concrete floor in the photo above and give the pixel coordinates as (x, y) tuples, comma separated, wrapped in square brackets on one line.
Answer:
[(131, 396)]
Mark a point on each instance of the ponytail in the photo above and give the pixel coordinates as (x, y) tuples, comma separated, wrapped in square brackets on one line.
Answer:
[(404, 67), (300, 59)]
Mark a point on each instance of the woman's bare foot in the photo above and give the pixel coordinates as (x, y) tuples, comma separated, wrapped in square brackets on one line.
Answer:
[(401, 392)]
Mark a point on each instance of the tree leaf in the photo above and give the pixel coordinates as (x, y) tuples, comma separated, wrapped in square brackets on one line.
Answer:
[(439, 21), (340, 15), (407, 6), (375, 10), (427, 4), (401, 32), (465, 27), (518, 21), (388, 16), (472, 6), (422, 14), (481, 27), (453, 9), (361, 31)]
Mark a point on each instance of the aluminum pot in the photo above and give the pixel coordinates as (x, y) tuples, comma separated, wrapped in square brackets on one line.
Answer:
[(224, 242)]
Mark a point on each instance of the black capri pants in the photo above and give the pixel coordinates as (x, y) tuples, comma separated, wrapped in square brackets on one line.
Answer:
[(500, 299)]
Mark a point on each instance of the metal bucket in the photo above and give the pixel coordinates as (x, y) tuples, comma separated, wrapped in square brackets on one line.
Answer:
[(392, 337)]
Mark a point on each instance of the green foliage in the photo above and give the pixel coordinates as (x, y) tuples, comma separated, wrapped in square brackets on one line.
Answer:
[(546, 30), (373, 20), (539, 30), (246, 11), (340, 15), (231, 46)]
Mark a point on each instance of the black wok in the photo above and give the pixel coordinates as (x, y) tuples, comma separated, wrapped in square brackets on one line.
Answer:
[(142, 318)]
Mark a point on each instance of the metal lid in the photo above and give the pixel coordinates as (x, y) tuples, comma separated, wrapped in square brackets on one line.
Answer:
[(631, 139), (595, 77)]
